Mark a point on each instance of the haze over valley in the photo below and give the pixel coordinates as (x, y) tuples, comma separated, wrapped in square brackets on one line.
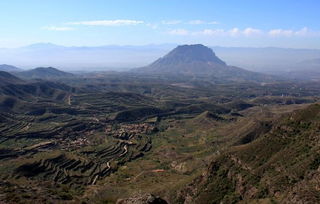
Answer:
[(121, 58)]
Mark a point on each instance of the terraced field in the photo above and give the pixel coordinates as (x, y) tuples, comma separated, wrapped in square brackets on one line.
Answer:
[(91, 163), (85, 167), (75, 143)]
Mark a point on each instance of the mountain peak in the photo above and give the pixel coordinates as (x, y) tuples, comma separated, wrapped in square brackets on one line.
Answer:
[(192, 53), (198, 61)]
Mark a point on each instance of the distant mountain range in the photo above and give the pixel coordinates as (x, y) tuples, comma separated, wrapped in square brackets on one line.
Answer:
[(9, 68), (115, 57), (82, 58), (199, 61), (43, 73)]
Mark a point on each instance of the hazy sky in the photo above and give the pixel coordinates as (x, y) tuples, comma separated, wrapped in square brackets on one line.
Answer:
[(252, 23)]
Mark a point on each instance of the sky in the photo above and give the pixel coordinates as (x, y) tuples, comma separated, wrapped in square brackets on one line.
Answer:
[(232, 23)]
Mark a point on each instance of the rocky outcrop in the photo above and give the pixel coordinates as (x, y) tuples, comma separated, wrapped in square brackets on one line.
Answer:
[(142, 199)]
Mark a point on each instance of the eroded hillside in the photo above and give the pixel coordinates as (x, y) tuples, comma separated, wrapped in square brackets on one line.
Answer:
[(282, 165)]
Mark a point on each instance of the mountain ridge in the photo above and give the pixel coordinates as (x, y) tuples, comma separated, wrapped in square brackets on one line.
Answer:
[(9, 68), (44, 73), (7, 78), (281, 165)]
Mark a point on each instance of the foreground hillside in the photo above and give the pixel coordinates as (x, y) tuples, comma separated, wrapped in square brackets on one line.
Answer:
[(282, 165)]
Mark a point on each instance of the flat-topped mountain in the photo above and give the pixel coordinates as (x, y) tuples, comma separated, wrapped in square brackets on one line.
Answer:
[(9, 68), (189, 54), (199, 61), (44, 73)]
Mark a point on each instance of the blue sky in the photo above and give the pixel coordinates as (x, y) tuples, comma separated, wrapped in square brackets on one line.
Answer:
[(246, 23)]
